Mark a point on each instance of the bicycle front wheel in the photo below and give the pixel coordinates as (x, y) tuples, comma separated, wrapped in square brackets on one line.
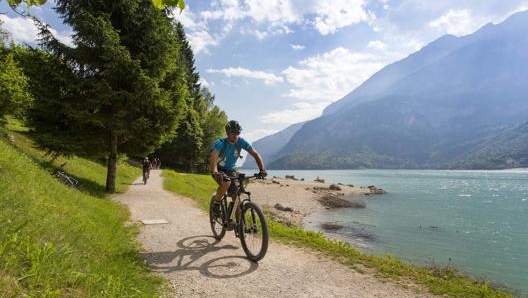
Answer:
[(253, 232), (216, 218)]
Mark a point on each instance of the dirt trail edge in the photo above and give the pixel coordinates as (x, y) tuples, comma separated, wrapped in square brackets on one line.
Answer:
[(183, 251)]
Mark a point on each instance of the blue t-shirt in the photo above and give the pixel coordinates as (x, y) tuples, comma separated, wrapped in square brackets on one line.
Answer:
[(229, 152)]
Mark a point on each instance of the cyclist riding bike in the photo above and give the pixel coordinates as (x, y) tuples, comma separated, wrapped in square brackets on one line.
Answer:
[(224, 155), (146, 169)]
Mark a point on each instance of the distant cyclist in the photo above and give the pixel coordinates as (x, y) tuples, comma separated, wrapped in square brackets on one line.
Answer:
[(146, 169), (224, 155)]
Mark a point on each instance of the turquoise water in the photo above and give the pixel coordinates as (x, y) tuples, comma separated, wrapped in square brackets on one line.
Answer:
[(476, 221)]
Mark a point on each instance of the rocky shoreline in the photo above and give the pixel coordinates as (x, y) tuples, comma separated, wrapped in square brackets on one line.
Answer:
[(290, 200)]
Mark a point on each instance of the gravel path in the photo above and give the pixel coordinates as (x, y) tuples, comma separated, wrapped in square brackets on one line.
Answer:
[(195, 265)]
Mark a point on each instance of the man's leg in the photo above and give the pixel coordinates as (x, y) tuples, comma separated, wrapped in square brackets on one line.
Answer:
[(221, 190)]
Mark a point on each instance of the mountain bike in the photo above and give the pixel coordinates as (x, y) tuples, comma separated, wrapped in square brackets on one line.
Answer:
[(242, 216)]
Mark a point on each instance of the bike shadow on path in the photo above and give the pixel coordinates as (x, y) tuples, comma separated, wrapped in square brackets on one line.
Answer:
[(193, 254)]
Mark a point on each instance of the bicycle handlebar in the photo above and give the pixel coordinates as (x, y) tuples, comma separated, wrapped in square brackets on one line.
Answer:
[(258, 176), (242, 176)]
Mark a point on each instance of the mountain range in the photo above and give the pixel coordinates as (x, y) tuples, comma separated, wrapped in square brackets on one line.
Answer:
[(458, 103)]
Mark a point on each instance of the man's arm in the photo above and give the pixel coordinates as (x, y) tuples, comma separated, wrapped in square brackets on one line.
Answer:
[(258, 159), (212, 161)]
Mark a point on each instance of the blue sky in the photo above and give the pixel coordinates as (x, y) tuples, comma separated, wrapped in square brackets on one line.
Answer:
[(271, 64)]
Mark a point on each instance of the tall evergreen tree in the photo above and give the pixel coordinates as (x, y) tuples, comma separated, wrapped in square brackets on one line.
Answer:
[(183, 151), (119, 87), (192, 77), (212, 122), (14, 93), (203, 121), (189, 150)]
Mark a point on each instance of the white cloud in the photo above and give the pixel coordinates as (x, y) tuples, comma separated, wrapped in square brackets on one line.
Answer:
[(331, 75), (377, 45), (201, 40), (188, 19), (268, 78), (300, 111), (196, 30), (204, 83), (257, 134), (227, 10), (274, 12), (260, 34), (297, 47), (410, 24), (64, 37), (23, 30), (264, 19), (339, 14), (456, 22)]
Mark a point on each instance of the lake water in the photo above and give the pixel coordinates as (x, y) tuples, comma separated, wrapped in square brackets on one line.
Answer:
[(476, 221)]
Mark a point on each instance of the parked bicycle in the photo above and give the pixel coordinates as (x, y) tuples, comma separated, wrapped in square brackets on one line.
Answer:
[(242, 216), (66, 179)]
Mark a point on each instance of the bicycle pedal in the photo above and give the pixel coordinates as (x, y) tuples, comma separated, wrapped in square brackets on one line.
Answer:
[(230, 226)]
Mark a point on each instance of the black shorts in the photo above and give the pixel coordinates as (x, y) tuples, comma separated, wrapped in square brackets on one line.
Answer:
[(230, 175)]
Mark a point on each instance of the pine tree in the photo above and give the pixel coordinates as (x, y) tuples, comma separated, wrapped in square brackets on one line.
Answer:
[(202, 123), (119, 87)]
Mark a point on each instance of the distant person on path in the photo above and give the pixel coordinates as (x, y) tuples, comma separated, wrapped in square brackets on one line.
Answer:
[(146, 166), (224, 155)]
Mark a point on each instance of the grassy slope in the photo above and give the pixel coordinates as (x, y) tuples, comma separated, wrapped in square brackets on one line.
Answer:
[(56, 241), (444, 281)]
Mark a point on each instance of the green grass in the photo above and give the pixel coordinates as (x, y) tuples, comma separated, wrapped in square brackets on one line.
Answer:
[(443, 281), (195, 186), (57, 241)]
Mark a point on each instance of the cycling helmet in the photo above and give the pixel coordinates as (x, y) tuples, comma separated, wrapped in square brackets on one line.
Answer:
[(233, 126)]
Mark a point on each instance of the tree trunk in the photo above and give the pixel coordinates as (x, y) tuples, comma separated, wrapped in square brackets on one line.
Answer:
[(112, 164)]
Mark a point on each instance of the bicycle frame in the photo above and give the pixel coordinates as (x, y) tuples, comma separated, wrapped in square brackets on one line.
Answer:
[(66, 179), (238, 202), (242, 190), (244, 217)]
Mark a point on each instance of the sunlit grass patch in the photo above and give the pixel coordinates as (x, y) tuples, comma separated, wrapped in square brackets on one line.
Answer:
[(197, 186), (58, 241)]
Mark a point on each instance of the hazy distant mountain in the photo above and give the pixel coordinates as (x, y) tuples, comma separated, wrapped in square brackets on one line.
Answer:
[(395, 72), (270, 145), (443, 106), (505, 148)]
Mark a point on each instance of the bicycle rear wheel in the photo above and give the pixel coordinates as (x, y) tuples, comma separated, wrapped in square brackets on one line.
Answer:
[(253, 232), (216, 218)]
